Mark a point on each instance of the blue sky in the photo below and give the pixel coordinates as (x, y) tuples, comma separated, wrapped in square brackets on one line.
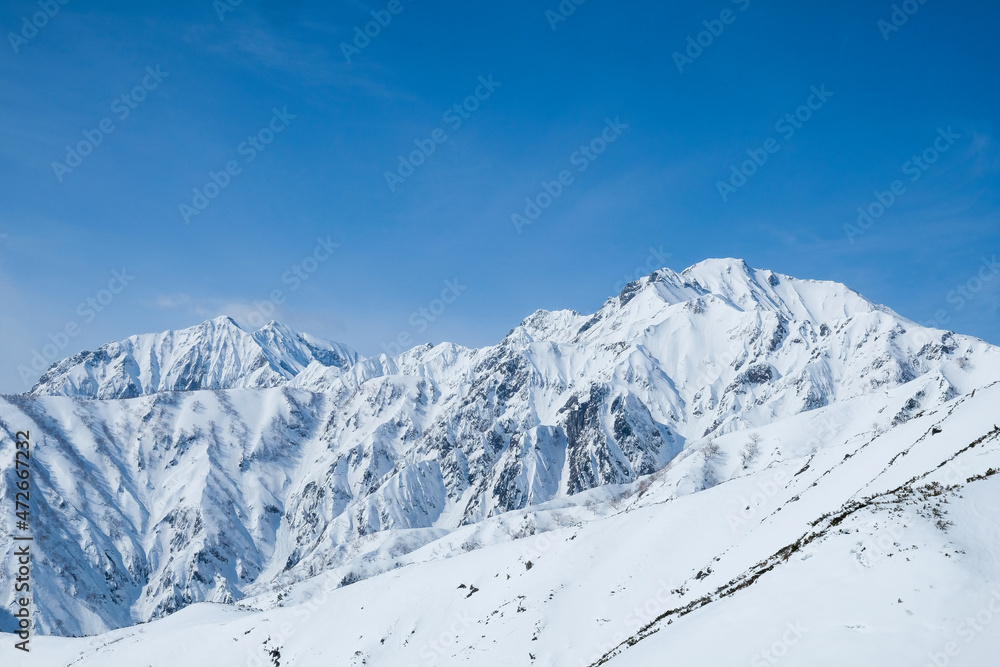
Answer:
[(267, 92)]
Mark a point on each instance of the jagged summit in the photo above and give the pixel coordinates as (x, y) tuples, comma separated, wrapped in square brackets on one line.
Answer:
[(733, 281), (216, 354)]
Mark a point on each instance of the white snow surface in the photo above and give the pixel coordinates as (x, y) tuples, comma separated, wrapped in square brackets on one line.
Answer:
[(882, 548), (217, 492)]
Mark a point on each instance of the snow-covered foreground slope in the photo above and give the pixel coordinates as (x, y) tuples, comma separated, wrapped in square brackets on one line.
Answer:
[(880, 550), (276, 463)]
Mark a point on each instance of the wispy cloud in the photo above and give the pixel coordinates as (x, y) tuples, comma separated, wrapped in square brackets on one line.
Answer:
[(170, 301), (250, 314), (984, 154), (306, 50)]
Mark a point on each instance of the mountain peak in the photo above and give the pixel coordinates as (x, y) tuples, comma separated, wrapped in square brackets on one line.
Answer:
[(274, 325), (721, 265), (216, 354), (222, 321), (735, 282)]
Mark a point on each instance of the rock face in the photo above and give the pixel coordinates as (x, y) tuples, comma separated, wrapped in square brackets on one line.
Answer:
[(245, 461)]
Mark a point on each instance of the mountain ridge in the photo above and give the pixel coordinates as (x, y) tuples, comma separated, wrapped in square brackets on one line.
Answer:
[(216, 354), (194, 493)]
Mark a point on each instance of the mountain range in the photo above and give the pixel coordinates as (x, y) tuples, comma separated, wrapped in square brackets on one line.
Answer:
[(256, 469)]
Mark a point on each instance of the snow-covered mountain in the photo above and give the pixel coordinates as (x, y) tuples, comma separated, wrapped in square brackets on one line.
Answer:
[(217, 354), (881, 548), (219, 465)]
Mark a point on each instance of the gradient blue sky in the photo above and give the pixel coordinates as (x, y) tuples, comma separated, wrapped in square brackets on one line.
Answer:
[(323, 176)]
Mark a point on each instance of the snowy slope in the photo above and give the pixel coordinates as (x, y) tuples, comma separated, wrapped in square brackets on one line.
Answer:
[(883, 549), (175, 497)]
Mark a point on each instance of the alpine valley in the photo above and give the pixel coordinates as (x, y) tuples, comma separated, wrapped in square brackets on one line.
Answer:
[(720, 466)]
